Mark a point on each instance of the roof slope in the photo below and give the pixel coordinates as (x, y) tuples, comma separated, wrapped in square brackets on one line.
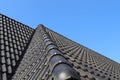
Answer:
[(14, 39), (86, 61)]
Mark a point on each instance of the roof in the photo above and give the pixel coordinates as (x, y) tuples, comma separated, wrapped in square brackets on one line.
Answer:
[(42, 54)]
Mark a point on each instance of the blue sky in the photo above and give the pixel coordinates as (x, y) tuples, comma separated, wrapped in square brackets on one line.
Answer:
[(92, 23)]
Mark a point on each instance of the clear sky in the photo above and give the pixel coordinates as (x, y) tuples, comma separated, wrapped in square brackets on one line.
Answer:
[(92, 23)]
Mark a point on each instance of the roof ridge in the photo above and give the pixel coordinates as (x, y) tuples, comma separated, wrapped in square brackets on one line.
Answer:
[(59, 66)]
